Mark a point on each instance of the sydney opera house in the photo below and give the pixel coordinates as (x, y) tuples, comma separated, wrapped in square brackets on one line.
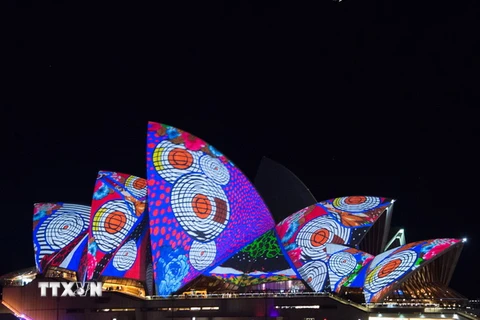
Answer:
[(197, 240)]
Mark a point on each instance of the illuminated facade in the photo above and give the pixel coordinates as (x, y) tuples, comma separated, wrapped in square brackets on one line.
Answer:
[(202, 208), (197, 223), (117, 237), (60, 232)]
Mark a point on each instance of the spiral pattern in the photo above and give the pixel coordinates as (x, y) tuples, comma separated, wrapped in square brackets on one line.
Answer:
[(342, 263), (389, 270), (215, 169), (314, 273), (125, 256), (202, 254), (61, 228)]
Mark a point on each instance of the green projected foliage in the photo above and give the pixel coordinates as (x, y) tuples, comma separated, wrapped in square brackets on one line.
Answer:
[(265, 246)]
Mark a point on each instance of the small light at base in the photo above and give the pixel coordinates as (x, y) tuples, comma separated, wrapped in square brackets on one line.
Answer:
[(464, 240)]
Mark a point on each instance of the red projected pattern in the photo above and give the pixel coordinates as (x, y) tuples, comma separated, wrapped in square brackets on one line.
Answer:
[(202, 208), (117, 236)]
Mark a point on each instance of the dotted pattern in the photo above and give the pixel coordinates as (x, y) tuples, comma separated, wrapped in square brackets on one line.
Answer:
[(248, 215), (261, 261)]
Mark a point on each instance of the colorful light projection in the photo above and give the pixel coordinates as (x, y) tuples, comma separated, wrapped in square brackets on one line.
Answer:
[(117, 236), (259, 262), (358, 204), (344, 265), (391, 266), (352, 210), (60, 232), (202, 208), (305, 233)]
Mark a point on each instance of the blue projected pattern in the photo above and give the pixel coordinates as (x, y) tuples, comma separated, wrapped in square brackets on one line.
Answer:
[(205, 218), (344, 265), (202, 208), (305, 234), (60, 232)]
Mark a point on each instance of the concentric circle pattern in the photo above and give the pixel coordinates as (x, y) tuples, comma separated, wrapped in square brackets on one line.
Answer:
[(390, 270), (342, 263), (215, 169), (318, 232), (173, 160), (314, 273), (61, 228), (200, 206), (125, 256), (136, 186), (202, 254), (112, 223), (356, 203)]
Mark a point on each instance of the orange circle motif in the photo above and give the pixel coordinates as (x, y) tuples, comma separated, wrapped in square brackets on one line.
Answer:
[(319, 237), (180, 158), (201, 206), (115, 221), (139, 184), (355, 200), (389, 267)]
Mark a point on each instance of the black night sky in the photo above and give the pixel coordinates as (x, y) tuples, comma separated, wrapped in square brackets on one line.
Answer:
[(361, 97)]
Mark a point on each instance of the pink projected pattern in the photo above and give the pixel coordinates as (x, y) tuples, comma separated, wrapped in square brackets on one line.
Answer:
[(202, 208)]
